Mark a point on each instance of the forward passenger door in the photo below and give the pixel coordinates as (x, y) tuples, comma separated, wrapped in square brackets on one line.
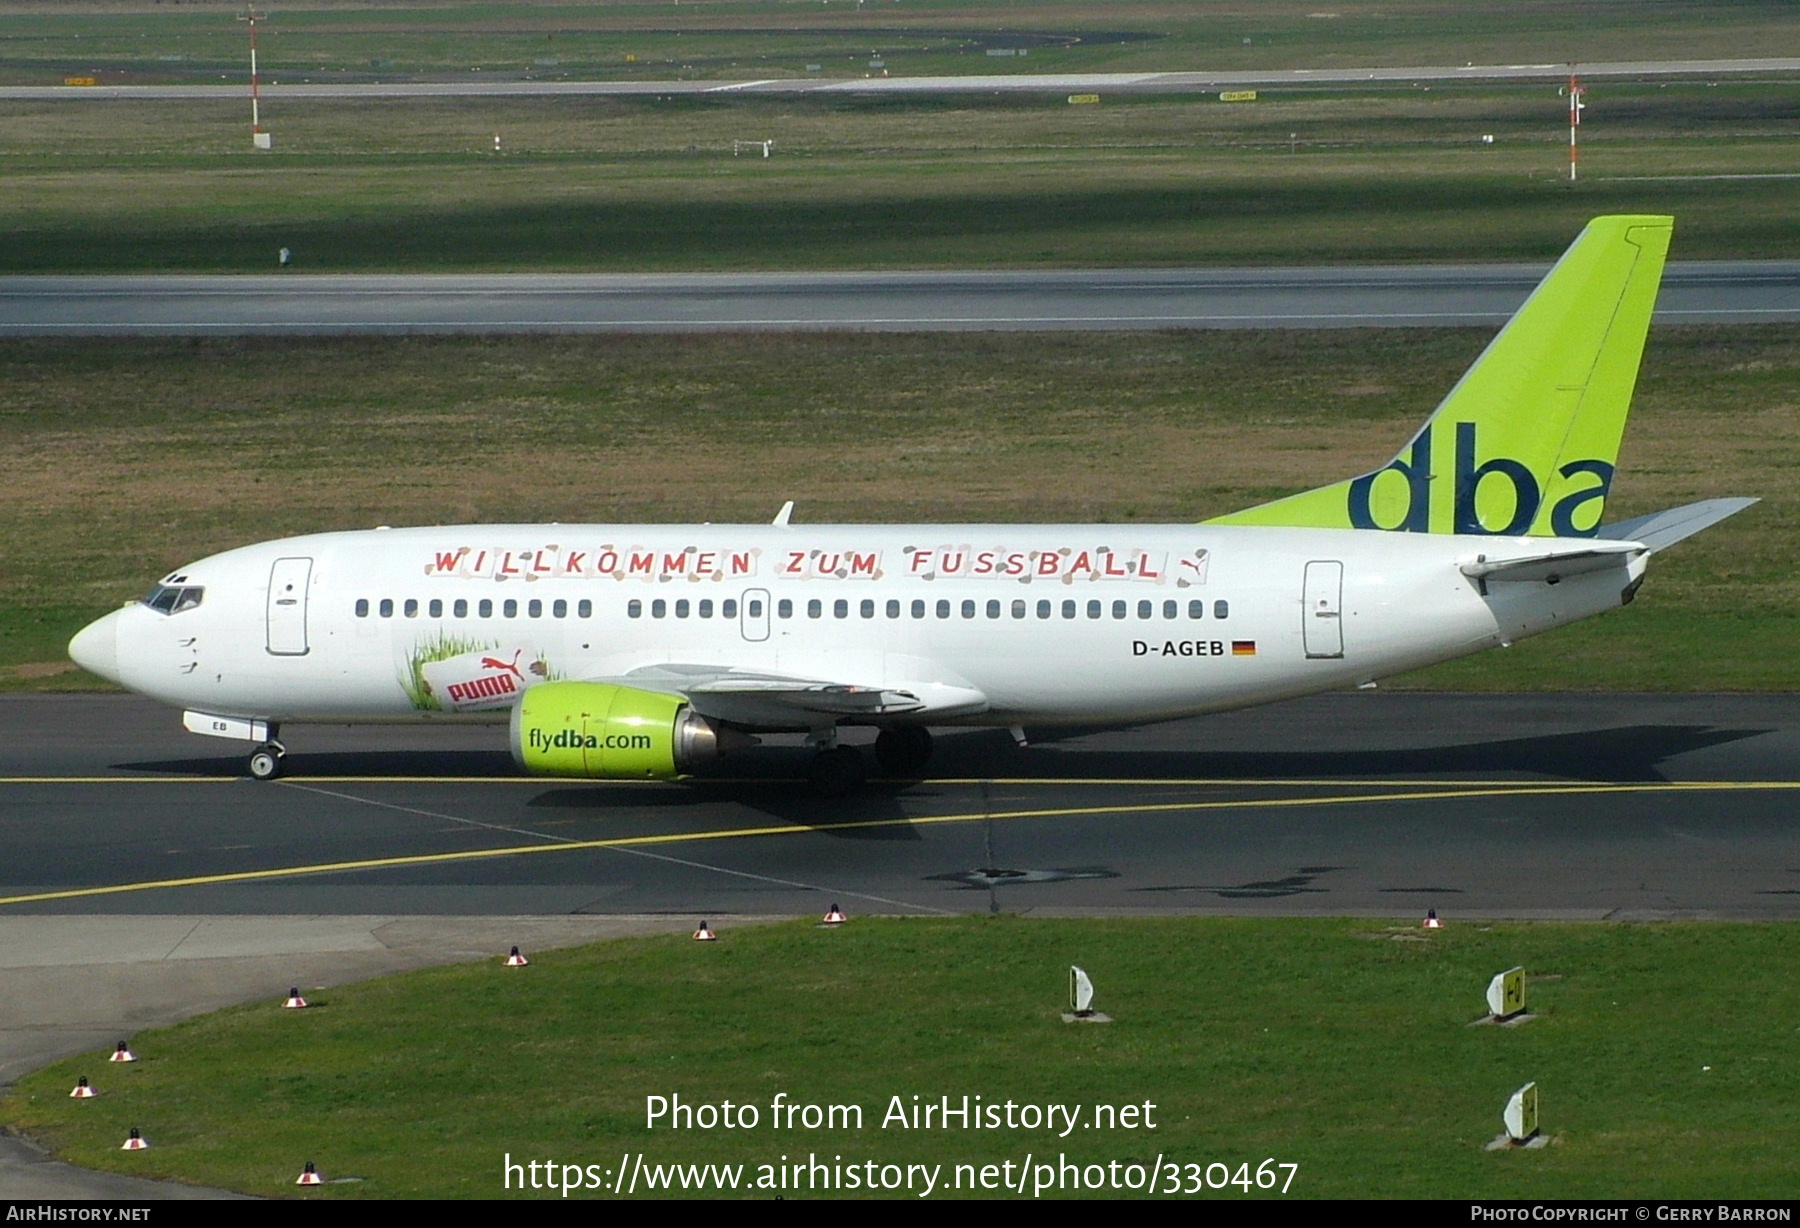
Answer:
[(288, 583)]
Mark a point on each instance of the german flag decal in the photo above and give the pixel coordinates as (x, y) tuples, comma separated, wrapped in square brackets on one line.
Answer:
[(1243, 648)]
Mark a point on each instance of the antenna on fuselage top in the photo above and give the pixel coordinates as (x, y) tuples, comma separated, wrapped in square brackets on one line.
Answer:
[(785, 514)]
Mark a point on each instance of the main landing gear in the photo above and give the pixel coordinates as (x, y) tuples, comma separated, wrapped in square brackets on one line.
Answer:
[(903, 751), (838, 770), (266, 760)]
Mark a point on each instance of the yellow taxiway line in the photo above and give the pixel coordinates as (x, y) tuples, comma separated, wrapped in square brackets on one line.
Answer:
[(789, 829), (1008, 781)]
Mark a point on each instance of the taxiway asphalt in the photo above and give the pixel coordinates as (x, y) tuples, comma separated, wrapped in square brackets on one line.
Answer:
[(1693, 292), (1577, 806)]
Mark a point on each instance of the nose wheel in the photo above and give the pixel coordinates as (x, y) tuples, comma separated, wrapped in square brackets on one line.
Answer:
[(266, 761)]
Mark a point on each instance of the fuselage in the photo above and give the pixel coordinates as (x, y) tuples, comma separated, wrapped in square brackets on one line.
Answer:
[(988, 624)]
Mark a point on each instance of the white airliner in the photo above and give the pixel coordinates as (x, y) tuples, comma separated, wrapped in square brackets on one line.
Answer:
[(638, 651)]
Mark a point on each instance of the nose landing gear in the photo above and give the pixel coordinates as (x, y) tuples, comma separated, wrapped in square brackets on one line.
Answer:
[(266, 760)]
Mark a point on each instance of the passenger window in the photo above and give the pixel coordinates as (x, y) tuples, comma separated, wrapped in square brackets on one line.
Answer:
[(840, 608), (1068, 609), (461, 608), (659, 608), (784, 608), (362, 607), (1043, 609), (1196, 609), (706, 608), (387, 607), (943, 609), (1145, 609), (1221, 609), (728, 608), (1171, 609), (968, 609), (1118, 609), (411, 608), (867, 610), (486, 608), (918, 609), (1093, 609), (681, 608), (993, 609), (585, 609), (633, 608), (814, 608), (559, 608), (437, 607), (534, 608), (893, 609), (510, 608), (1018, 609)]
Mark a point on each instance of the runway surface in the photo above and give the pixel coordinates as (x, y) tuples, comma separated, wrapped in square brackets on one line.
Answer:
[(1051, 83), (1692, 292), (1383, 804)]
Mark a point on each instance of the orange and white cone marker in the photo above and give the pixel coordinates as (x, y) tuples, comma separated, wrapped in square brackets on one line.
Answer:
[(82, 1090), (835, 916), (135, 1142), (705, 934), (1431, 920), (309, 1176), (294, 1001), (515, 960), (122, 1054)]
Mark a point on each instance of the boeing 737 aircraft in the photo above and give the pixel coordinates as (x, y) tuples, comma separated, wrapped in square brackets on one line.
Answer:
[(637, 651)]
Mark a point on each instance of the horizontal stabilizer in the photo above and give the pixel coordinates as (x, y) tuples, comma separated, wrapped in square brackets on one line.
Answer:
[(1660, 530), (1555, 566)]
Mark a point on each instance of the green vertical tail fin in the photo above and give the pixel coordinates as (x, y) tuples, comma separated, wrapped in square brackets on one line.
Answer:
[(1527, 441)]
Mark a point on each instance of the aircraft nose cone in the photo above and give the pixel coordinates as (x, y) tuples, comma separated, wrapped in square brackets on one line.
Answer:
[(96, 647)]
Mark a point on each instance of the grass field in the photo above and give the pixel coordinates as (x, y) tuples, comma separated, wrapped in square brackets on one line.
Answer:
[(642, 183), (1664, 1056), (124, 459), (44, 40)]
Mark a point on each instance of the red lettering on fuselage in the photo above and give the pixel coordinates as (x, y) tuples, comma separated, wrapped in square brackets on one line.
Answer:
[(482, 688)]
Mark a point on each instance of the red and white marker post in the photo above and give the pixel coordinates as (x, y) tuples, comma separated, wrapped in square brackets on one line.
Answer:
[(1575, 108)]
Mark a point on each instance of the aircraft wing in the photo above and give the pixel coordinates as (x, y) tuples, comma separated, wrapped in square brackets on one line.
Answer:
[(777, 701)]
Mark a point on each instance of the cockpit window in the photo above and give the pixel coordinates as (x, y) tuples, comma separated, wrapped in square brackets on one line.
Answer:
[(173, 599)]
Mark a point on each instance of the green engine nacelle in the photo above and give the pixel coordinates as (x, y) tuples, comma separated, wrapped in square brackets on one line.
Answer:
[(601, 731)]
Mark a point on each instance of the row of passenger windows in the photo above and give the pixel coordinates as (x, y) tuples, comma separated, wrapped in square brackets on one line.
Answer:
[(483, 608), (943, 609), (683, 608)]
